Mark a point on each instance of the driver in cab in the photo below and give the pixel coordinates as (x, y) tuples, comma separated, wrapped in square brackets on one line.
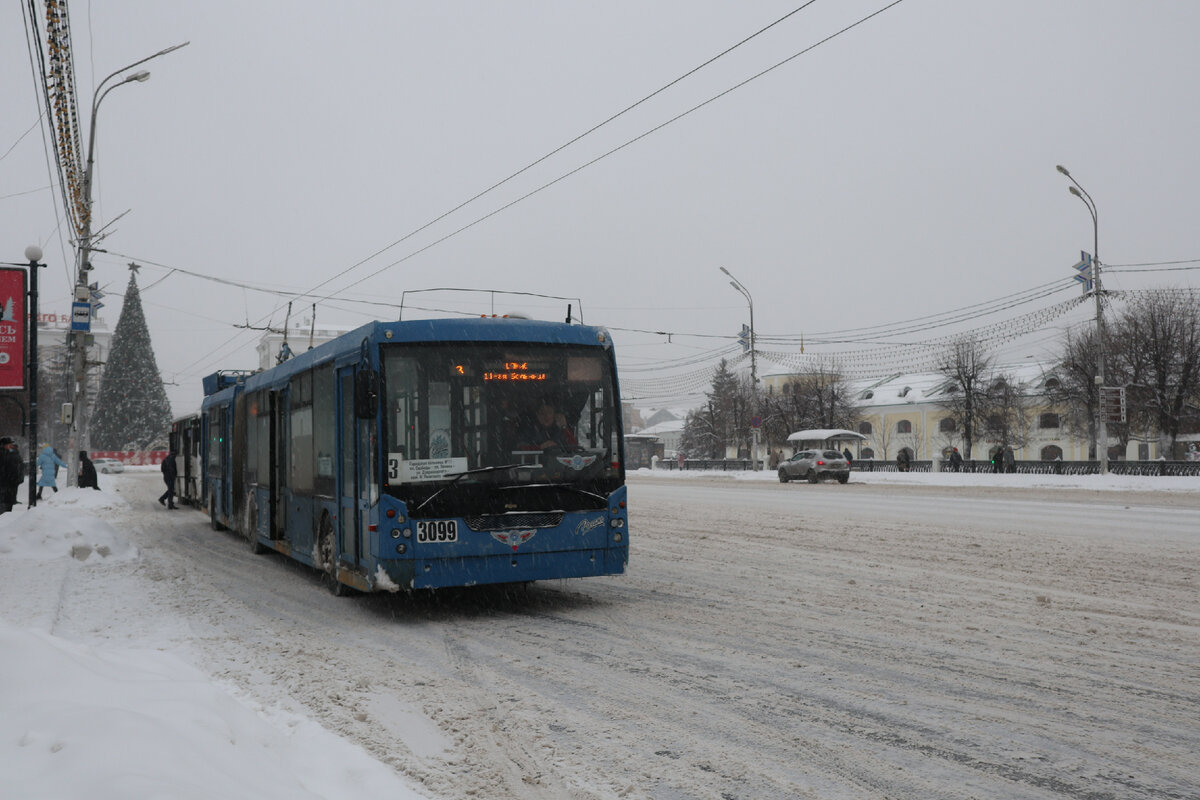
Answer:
[(547, 430)]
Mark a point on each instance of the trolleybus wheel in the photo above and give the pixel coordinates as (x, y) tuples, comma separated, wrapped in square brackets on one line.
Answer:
[(327, 558), (256, 546)]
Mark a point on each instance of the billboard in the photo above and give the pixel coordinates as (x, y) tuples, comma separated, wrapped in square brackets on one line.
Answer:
[(12, 328)]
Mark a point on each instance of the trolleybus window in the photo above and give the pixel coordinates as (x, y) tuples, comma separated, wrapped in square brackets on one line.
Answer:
[(522, 414)]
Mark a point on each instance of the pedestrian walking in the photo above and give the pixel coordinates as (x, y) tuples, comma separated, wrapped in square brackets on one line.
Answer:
[(48, 463), (1010, 460), (12, 471), (955, 460), (87, 472), (170, 472)]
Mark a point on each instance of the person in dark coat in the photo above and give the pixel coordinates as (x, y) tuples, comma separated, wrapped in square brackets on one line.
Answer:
[(955, 460), (87, 472), (902, 461), (12, 471), (169, 471)]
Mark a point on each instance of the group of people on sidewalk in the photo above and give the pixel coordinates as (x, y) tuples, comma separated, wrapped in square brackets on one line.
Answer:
[(12, 473)]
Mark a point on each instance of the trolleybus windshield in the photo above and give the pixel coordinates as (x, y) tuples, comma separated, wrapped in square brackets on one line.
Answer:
[(468, 419)]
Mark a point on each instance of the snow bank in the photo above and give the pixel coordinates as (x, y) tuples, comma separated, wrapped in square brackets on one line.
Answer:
[(111, 722), (66, 523), (1119, 483)]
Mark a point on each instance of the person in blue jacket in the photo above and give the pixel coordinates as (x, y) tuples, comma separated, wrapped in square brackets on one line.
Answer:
[(48, 463)]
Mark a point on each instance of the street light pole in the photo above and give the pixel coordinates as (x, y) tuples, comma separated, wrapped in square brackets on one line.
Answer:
[(33, 254), (736, 284), (78, 438), (1097, 291)]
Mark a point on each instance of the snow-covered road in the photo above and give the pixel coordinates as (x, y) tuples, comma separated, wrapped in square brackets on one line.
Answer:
[(862, 641)]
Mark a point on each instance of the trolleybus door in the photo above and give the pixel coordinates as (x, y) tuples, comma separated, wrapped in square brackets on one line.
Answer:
[(349, 518), (277, 468)]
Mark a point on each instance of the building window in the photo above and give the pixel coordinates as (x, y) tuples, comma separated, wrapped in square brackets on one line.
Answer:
[(1051, 452), (904, 426), (867, 452), (1048, 420), (865, 428), (947, 425)]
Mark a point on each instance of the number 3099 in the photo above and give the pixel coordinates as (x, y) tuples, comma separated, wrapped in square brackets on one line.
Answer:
[(437, 530)]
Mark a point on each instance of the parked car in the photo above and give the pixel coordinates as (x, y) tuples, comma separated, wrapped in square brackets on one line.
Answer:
[(107, 465), (815, 465)]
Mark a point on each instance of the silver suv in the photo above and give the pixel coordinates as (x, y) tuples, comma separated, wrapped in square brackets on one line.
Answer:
[(815, 465)]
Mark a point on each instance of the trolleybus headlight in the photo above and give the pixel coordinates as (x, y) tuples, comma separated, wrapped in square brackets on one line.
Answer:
[(402, 548), (617, 522), (395, 533), (617, 537)]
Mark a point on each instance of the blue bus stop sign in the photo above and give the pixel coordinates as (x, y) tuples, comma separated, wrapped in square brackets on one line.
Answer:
[(81, 317)]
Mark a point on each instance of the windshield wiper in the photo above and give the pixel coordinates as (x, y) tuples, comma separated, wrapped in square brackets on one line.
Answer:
[(459, 475), (568, 486)]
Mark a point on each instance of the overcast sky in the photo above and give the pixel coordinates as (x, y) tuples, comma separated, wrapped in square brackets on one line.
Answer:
[(903, 169)]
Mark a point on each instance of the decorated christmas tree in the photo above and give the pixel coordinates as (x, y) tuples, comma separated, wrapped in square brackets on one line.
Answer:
[(132, 411)]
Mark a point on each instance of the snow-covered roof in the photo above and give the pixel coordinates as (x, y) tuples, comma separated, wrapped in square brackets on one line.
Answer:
[(823, 434), (670, 426)]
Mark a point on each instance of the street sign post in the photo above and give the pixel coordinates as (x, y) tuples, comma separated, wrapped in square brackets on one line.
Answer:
[(81, 317), (1112, 403), (1084, 268)]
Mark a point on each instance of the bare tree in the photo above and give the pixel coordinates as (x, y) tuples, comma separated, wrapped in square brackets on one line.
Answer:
[(968, 367), (1159, 353), (1007, 421), (1072, 386), (820, 398)]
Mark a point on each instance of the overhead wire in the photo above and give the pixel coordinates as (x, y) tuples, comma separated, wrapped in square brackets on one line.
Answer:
[(614, 150), (310, 292)]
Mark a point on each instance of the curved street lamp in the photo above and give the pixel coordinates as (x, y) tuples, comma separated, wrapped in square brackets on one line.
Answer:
[(1097, 291), (78, 436), (736, 284)]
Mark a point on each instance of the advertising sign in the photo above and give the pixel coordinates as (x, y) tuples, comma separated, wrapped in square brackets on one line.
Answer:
[(12, 328)]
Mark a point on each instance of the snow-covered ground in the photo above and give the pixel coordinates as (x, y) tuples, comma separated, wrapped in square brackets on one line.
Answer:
[(758, 648), (1121, 483), (118, 716)]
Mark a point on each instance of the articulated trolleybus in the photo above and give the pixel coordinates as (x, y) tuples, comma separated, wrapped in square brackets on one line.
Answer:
[(426, 454)]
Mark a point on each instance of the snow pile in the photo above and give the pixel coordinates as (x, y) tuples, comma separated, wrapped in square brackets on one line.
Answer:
[(111, 722), (67, 523)]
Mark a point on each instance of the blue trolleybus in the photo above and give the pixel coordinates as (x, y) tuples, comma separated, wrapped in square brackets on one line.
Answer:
[(426, 454)]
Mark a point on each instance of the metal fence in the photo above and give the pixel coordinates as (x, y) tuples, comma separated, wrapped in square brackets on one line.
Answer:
[(1189, 469)]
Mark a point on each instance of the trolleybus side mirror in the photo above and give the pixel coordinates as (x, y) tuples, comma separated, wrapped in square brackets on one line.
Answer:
[(366, 398)]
